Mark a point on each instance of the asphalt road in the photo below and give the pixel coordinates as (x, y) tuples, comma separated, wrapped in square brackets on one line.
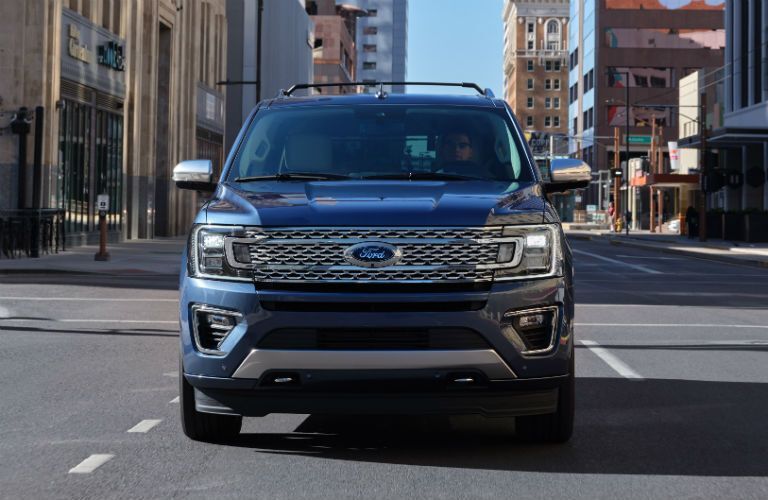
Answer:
[(672, 395)]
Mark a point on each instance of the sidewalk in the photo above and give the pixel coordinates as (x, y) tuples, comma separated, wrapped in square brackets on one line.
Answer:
[(749, 254), (160, 256)]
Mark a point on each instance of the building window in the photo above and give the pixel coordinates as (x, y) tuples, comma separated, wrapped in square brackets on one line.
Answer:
[(548, 102), (556, 121), (370, 30), (530, 84), (557, 66), (369, 65), (529, 103), (368, 47), (553, 27), (557, 84), (530, 27), (547, 84), (530, 44), (557, 103), (553, 45), (529, 121), (547, 121), (373, 12), (548, 66), (530, 64)]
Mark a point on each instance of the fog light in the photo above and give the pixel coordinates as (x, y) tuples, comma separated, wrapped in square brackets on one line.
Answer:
[(531, 321), (532, 331), (211, 326)]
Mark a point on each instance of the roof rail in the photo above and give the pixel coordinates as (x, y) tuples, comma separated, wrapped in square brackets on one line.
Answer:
[(469, 85)]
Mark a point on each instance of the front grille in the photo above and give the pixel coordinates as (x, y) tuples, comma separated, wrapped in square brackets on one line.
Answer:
[(434, 255), (374, 339)]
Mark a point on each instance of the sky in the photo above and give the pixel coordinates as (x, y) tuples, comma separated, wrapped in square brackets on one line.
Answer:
[(456, 41)]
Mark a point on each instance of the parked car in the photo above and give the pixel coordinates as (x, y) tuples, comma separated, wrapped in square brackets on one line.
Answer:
[(378, 254)]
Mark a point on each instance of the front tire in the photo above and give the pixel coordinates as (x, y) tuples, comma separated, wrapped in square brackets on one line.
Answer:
[(555, 427), (207, 427)]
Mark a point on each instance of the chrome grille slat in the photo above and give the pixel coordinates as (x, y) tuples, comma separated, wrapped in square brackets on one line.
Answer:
[(428, 254)]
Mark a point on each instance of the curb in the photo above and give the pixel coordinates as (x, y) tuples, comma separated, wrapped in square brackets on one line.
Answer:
[(718, 258)]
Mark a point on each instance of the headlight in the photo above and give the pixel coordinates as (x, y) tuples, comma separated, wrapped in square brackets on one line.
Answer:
[(214, 254), (540, 256)]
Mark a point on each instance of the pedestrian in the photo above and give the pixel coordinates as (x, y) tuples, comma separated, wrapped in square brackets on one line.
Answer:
[(692, 221), (612, 216)]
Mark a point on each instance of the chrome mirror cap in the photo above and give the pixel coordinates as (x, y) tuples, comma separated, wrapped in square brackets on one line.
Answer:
[(194, 174), (566, 174)]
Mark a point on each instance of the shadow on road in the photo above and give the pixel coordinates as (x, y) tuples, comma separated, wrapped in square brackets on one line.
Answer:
[(662, 427)]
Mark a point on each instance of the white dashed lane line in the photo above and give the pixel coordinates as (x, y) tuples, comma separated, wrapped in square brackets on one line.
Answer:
[(144, 426), (174, 400), (636, 267), (91, 463), (618, 365)]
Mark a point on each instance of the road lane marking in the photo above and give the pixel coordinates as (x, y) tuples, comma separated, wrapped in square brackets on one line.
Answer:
[(144, 426), (174, 400), (91, 463), (621, 263), (675, 325), (649, 258), (4, 312), (86, 299), (171, 374), (618, 365)]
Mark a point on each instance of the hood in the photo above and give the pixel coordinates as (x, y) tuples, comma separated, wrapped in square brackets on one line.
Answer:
[(378, 203)]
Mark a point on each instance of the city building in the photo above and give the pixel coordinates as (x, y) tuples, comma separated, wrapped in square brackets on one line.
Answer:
[(382, 43), (636, 51), (735, 101), (126, 90), (287, 41), (536, 68), (334, 49)]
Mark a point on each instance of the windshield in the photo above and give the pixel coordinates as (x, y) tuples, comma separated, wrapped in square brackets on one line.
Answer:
[(380, 142)]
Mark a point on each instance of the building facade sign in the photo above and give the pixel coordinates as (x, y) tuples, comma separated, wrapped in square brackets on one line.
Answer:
[(92, 55)]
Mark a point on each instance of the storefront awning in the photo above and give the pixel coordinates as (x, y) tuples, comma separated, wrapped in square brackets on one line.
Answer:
[(690, 181), (726, 137)]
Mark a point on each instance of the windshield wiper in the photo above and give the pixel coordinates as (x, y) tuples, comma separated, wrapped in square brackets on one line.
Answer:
[(293, 176), (425, 176)]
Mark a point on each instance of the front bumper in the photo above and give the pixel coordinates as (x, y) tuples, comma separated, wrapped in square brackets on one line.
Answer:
[(505, 380), (380, 393)]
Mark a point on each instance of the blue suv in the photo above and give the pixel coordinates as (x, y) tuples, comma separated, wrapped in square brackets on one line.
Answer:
[(378, 254)]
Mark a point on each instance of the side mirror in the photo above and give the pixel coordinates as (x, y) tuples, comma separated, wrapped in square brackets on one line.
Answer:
[(566, 174), (194, 174)]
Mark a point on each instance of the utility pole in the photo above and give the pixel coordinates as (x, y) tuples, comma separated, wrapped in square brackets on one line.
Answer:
[(259, 39), (703, 170)]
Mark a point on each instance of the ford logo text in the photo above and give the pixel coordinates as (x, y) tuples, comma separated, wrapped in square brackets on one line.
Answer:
[(373, 254)]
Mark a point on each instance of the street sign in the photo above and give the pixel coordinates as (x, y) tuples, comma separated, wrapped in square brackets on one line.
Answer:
[(577, 198), (102, 202), (638, 139)]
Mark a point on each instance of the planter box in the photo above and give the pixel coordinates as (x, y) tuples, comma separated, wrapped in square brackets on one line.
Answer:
[(756, 227), (733, 227), (715, 226)]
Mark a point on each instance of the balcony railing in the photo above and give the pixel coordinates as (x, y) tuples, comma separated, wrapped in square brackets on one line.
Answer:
[(31, 232)]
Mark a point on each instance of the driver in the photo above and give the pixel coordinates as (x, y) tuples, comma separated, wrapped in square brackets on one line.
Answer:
[(455, 146)]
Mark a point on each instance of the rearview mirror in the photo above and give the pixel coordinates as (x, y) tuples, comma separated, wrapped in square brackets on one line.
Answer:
[(196, 175), (566, 174)]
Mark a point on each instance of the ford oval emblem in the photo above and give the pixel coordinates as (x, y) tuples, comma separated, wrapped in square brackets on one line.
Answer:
[(373, 254)]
